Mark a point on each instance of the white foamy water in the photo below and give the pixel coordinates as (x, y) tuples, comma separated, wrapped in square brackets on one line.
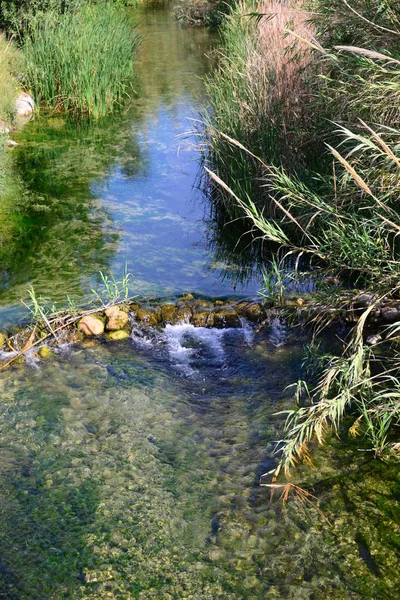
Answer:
[(189, 348), (278, 332)]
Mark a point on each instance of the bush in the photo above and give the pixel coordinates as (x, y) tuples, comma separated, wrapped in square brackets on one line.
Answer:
[(82, 61)]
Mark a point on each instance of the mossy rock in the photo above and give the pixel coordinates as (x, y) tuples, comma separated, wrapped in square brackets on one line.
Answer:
[(168, 313), (116, 336), (251, 310), (45, 352), (226, 318), (183, 314), (146, 317), (202, 319)]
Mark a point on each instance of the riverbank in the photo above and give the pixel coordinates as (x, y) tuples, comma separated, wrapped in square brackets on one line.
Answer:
[(321, 197)]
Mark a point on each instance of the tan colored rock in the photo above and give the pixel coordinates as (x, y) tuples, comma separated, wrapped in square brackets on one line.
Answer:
[(91, 325), (2, 340), (116, 318), (116, 336)]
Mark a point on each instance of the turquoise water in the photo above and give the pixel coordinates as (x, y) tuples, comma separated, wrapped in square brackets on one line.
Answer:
[(132, 470)]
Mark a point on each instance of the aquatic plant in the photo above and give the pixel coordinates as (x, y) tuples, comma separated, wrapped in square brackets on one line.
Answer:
[(341, 221), (81, 62)]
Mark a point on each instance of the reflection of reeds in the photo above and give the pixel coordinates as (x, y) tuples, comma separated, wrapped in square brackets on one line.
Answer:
[(81, 62)]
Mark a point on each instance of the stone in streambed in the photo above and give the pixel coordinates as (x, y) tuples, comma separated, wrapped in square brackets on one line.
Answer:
[(116, 336), (91, 325), (374, 339), (146, 317), (390, 314), (202, 319), (251, 310), (168, 313), (116, 318), (45, 352), (2, 340), (226, 318)]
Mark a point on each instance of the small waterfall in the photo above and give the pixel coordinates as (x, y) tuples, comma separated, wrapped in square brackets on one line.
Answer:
[(192, 349)]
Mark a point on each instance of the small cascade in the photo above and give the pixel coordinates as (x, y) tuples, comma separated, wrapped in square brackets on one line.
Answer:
[(278, 333), (191, 349)]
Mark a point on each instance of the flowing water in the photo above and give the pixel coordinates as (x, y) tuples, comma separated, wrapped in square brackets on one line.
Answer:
[(132, 470)]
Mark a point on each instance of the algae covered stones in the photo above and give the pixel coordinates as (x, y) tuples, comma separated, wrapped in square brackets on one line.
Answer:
[(91, 325), (116, 336)]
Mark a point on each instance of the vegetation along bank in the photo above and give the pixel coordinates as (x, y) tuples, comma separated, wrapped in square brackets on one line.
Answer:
[(302, 144)]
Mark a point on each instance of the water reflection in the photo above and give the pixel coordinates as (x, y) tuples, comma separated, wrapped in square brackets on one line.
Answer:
[(102, 195)]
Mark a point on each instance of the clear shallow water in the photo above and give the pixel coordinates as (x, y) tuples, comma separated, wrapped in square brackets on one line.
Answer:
[(132, 470), (99, 196)]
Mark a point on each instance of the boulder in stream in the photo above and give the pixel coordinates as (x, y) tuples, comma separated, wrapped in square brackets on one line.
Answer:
[(91, 325), (116, 318)]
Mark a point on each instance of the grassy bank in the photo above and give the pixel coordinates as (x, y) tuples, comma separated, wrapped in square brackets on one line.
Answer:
[(78, 55), (304, 145), (81, 61), (10, 67)]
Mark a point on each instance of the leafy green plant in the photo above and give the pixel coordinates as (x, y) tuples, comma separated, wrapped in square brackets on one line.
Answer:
[(112, 290)]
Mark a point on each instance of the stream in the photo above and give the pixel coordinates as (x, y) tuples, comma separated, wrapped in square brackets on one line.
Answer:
[(132, 470)]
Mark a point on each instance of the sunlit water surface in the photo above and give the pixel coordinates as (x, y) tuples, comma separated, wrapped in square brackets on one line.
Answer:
[(132, 470)]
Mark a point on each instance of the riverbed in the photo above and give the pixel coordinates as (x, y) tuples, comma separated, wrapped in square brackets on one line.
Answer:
[(133, 469)]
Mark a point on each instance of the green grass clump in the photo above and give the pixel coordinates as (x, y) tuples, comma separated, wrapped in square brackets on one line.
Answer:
[(10, 63), (81, 62)]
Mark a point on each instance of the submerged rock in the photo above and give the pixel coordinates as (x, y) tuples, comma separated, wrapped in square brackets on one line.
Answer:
[(116, 318), (91, 325), (374, 339), (116, 336), (390, 314), (45, 352)]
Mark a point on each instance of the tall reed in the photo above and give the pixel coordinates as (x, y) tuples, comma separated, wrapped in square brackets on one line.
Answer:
[(258, 95), (83, 61), (344, 220)]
